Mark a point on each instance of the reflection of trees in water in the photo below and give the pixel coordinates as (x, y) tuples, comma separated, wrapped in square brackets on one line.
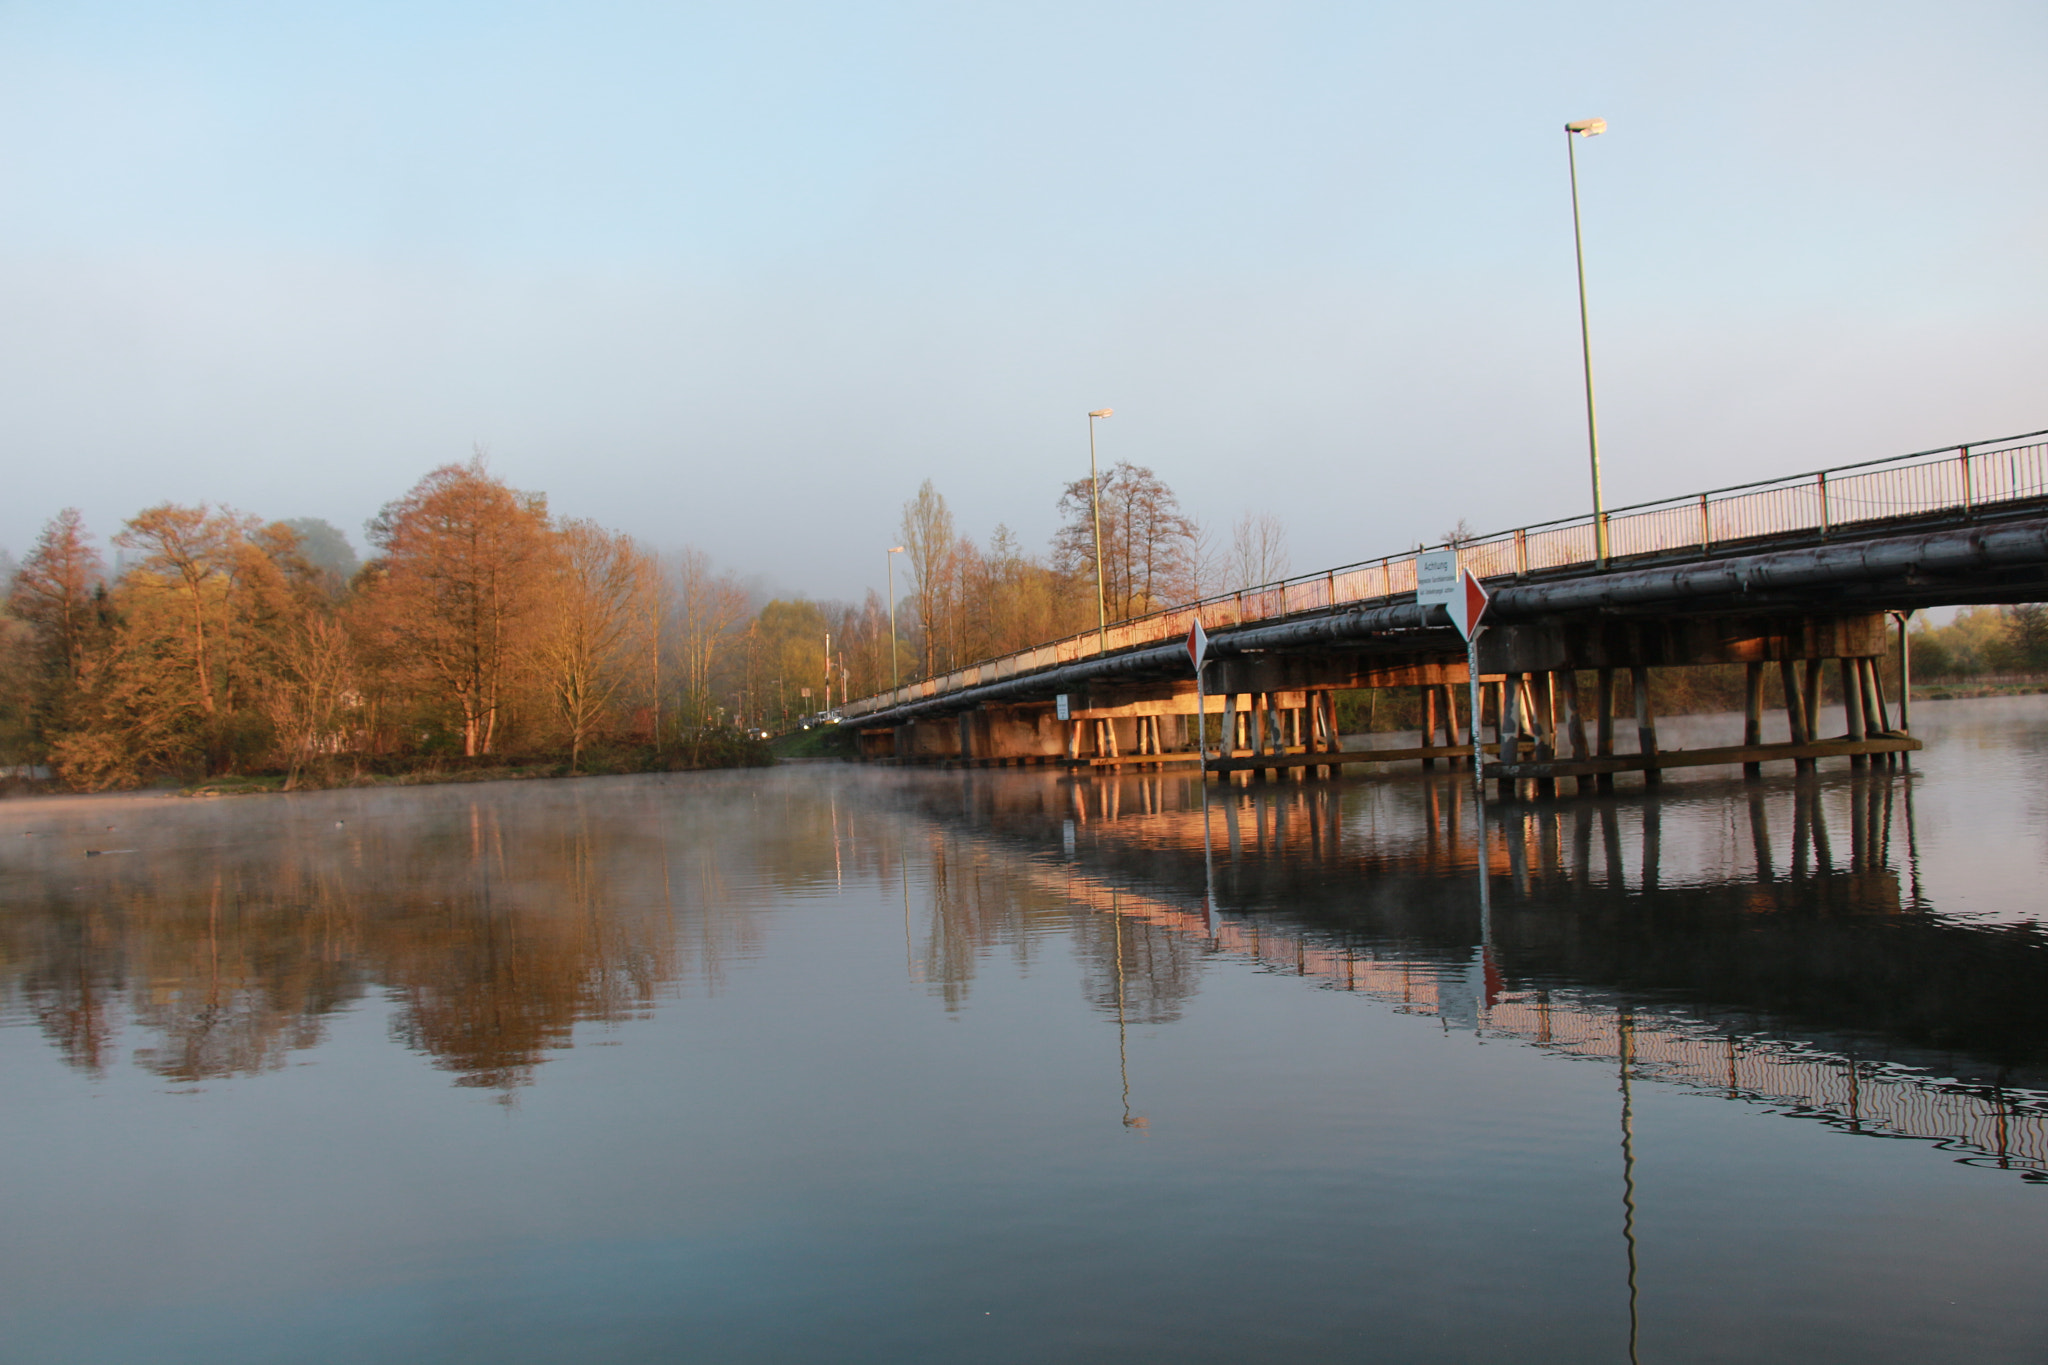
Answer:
[(497, 924), (1152, 972), (977, 896), (973, 906)]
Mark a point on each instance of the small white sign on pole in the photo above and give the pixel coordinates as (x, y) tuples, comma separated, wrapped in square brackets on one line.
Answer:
[(1436, 577), (1064, 707)]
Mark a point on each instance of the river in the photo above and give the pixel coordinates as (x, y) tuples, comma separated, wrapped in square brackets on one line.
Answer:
[(829, 1063)]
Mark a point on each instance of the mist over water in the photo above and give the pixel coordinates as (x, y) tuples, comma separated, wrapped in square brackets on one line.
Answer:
[(856, 1063)]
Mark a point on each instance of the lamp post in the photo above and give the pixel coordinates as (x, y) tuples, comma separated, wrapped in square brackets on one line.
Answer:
[(1095, 514), (1591, 127), (890, 559)]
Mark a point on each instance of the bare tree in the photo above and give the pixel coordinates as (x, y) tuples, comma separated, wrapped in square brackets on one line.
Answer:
[(1258, 550), (929, 543), (1148, 543), (597, 607), (709, 608)]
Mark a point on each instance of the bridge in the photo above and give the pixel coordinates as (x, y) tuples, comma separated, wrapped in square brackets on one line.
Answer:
[(1783, 576)]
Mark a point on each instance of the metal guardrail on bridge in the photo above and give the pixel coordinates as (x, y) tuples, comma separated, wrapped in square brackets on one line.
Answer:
[(1965, 480)]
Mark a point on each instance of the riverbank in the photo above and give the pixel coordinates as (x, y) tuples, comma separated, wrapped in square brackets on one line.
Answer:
[(420, 772)]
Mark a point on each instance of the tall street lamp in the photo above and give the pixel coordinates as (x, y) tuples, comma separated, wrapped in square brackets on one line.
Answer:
[(1591, 127), (890, 559), (1095, 513)]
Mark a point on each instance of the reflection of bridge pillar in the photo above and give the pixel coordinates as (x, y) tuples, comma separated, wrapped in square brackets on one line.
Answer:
[(1516, 827), (1582, 845), (1653, 842), (1760, 836), (1753, 716), (1859, 821), (1610, 840)]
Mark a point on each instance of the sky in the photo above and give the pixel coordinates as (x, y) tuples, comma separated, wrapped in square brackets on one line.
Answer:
[(742, 277)]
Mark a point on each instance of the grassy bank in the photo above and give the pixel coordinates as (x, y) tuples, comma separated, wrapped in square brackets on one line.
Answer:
[(712, 751)]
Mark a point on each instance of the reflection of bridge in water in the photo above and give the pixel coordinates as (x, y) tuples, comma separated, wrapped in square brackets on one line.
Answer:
[(1777, 958)]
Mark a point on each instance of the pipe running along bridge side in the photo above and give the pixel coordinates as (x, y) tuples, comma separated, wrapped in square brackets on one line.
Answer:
[(1783, 576)]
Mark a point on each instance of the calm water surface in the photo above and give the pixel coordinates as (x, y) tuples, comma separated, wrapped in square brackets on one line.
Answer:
[(838, 1064)]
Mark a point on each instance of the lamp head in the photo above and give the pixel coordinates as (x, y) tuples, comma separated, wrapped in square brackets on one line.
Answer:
[(1587, 127), (1101, 412), (895, 549)]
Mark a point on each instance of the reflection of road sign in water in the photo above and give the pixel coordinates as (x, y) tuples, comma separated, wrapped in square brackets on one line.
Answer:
[(1198, 646), (1469, 605)]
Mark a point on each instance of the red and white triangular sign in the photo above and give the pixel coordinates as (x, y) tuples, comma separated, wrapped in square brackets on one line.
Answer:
[(1469, 605), (1198, 645)]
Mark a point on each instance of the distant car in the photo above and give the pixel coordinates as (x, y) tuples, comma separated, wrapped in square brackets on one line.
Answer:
[(757, 733), (834, 718)]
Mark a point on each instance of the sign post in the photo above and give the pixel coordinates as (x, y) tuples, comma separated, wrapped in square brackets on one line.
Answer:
[(1198, 651), (1468, 611)]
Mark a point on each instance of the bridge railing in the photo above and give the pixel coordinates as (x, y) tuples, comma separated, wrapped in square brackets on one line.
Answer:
[(1963, 480)]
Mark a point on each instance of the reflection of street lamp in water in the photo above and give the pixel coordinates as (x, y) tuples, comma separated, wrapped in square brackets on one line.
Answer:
[(1123, 1066), (1628, 1173)]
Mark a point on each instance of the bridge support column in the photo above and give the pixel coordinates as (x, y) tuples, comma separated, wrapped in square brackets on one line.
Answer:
[(1543, 695), (1603, 687), (1852, 706), (1753, 717), (1574, 720), (1876, 721), (1510, 729), (1810, 698), (1795, 711), (1646, 721)]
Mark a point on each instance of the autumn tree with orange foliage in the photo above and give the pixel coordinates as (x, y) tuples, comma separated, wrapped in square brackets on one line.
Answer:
[(58, 599), (597, 617), (453, 607)]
